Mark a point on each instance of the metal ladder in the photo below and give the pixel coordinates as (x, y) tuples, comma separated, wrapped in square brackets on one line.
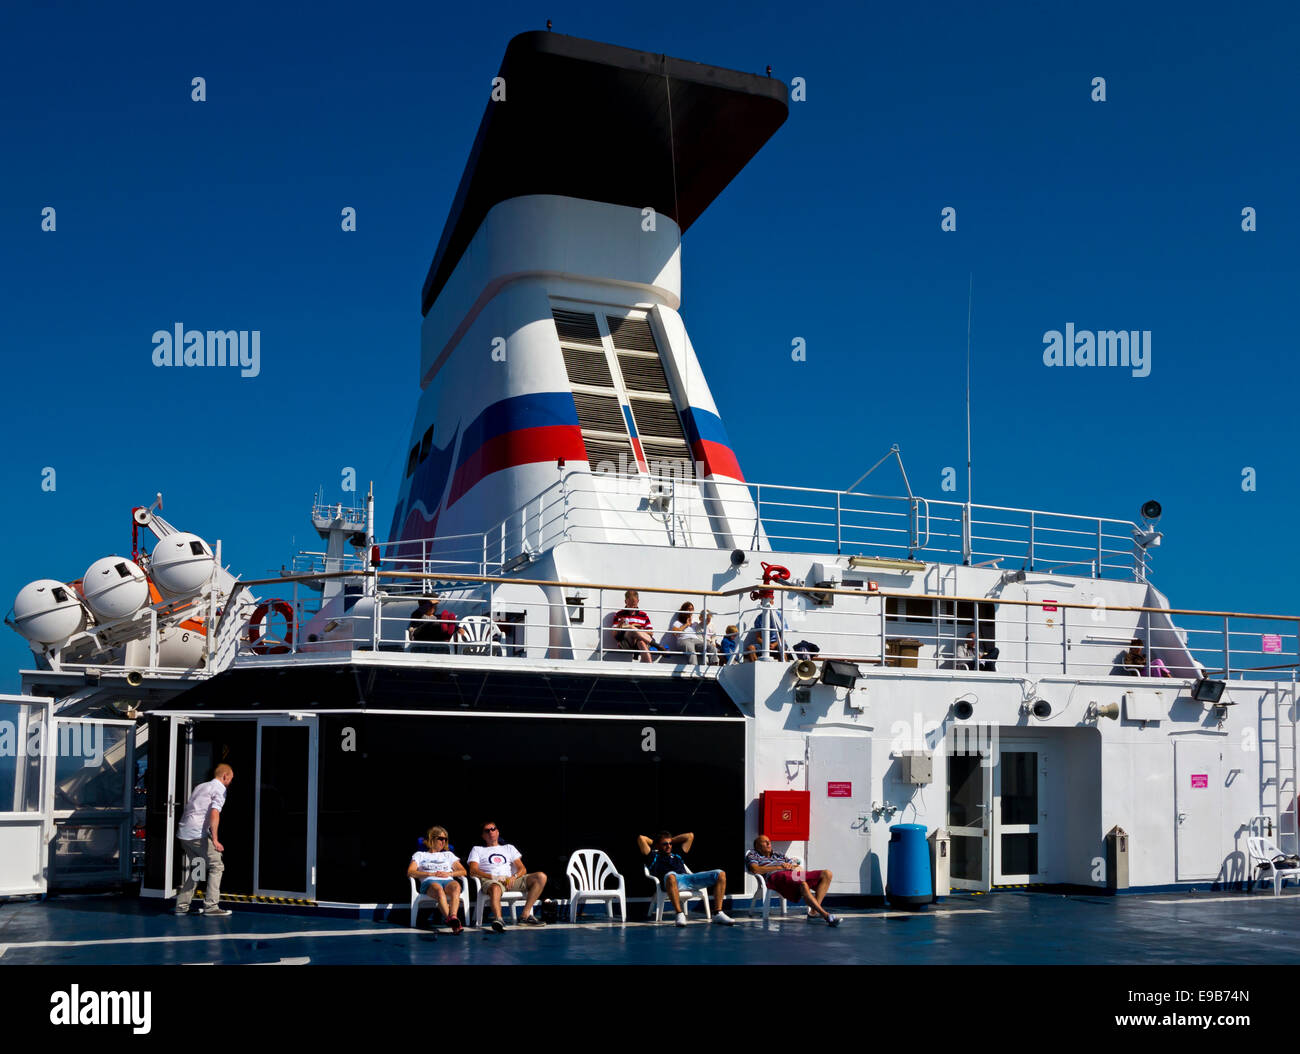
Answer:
[(1277, 762)]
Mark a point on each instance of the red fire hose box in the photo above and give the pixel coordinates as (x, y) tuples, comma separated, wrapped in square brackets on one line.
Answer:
[(785, 815)]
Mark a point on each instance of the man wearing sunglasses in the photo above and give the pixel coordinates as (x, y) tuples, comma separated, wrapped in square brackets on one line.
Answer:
[(667, 865), (501, 870)]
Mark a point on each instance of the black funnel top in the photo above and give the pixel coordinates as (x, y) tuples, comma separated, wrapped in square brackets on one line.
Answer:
[(590, 120)]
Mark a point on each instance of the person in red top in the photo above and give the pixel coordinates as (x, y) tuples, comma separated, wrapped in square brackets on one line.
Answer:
[(632, 627), (440, 628)]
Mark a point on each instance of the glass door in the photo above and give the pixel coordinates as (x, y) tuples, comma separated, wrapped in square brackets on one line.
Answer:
[(26, 793), (284, 855), (969, 795), (1018, 781)]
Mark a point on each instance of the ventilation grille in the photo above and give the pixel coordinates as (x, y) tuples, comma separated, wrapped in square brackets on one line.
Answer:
[(643, 374), (632, 334), (617, 453), (587, 367), (668, 459), (577, 327), (599, 413), (657, 420)]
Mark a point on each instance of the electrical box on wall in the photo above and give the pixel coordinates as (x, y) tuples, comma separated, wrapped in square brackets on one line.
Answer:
[(785, 815), (917, 766)]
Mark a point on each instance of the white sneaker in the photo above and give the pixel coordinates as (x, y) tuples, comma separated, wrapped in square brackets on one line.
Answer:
[(723, 919), (681, 918)]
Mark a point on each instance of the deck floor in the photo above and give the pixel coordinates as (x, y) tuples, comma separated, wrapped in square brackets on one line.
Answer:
[(1002, 928)]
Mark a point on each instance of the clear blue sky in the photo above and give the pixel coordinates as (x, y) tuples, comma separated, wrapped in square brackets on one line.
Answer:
[(1124, 214)]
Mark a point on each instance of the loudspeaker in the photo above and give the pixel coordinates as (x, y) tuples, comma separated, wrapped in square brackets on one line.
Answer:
[(1041, 709), (135, 678), (963, 709), (805, 670)]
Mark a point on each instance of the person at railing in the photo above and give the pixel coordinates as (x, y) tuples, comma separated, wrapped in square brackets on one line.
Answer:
[(690, 638), (966, 651), (769, 635), (730, 642), (784, 875), (1134, 661), (632, 628), (430, 627)]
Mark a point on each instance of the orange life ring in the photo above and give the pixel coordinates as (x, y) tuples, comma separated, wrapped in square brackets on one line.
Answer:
[(280, 607)]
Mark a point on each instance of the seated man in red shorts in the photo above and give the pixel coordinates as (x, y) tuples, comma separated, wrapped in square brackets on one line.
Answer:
[(789, 880)]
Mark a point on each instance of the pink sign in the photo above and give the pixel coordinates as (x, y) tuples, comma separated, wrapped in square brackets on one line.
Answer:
[(1272, 644), (839, 790), (1049, 605), (1200, 779)]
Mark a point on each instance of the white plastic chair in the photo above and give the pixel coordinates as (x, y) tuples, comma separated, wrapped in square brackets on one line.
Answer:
[(1263, 851), (508, 900), (686, 895), (419, 900), (478, 636), (588, 870), (757, 889)]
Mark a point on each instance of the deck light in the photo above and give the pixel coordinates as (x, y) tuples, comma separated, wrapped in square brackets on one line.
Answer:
[(1208, 691), (840, 674)]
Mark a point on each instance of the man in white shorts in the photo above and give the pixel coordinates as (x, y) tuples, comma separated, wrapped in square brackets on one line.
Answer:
[(501, 870)]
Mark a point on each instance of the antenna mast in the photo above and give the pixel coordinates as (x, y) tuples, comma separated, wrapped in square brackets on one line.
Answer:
[(970, 301)]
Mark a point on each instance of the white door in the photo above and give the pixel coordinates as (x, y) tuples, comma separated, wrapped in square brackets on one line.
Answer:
[(1019, 815), (284, 848), (166, 810), (970, 796), (26, 793), (839, 784), (1045, 628), (1198, 819)]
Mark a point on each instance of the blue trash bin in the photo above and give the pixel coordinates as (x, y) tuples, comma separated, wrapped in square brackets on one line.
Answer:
[(908, 885)]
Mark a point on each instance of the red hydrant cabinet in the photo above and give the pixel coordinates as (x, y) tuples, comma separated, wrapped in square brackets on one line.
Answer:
[(785, 815)]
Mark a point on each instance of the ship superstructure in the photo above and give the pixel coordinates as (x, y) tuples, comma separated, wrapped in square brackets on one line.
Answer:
[(565, 450)]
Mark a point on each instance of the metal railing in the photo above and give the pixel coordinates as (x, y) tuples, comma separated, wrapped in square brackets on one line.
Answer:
[(774, 517), (575, 621)]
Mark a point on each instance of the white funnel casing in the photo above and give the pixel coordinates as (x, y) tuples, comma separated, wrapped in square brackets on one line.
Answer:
[(557, 339), (48, 612)]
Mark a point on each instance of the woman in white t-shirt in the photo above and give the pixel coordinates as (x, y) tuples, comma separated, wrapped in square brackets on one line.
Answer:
[(437, 871), (690, 636)]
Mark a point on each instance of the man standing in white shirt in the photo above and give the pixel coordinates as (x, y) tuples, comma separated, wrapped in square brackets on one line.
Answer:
[(500, 869), (197, 834)]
